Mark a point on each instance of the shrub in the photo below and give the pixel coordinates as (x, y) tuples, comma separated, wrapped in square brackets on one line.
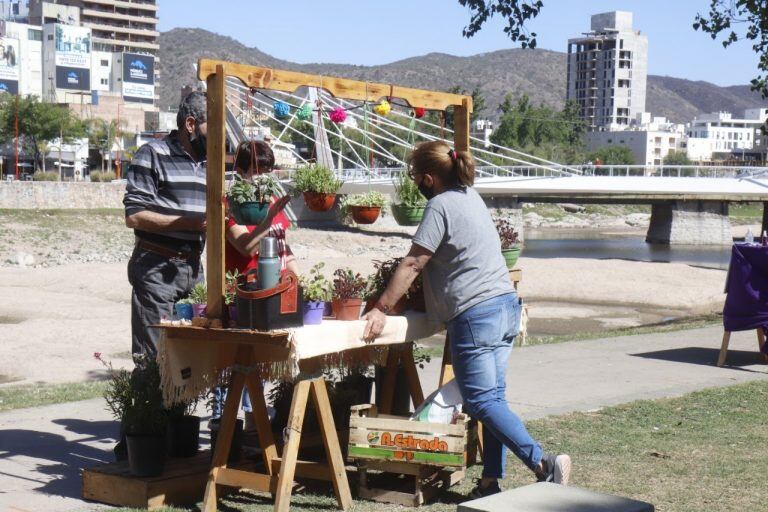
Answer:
[(45, 176), (316, 178), (102, 177)]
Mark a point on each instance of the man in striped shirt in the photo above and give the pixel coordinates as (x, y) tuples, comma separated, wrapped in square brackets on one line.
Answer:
[(165, 205)]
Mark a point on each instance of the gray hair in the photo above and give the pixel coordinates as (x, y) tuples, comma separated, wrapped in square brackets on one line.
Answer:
[(193, 105)]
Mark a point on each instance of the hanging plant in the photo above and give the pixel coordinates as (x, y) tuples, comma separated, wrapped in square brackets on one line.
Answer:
[(419, 112), (282, 109), (338, 115), (383, 108), (304, 113)]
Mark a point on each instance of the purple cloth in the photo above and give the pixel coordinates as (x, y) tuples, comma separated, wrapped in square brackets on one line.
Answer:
[(746, 302)]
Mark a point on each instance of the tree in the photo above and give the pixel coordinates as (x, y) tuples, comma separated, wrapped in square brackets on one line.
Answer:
[(478, 104), (39, 123), (677, 158), (612, 155), (103, 135), (719, 21), (525, 126)]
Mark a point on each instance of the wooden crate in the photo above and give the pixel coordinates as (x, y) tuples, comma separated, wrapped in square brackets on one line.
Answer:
[(418, 458), (182, 483)]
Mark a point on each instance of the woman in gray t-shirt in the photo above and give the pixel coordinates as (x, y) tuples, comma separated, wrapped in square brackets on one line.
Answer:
[(466, 286)]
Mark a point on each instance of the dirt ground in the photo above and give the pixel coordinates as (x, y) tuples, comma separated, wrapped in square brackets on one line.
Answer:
[(64, 293)]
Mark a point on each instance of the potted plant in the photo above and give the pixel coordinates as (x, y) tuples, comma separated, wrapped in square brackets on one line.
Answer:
[(318, 184), (378, 282), (510, 243), (183, 430), (183, 309), (249, 200), (348, 290), (317, 291), (409, 209), (230, 293), (364, 208), (135, 399), (199, 298)]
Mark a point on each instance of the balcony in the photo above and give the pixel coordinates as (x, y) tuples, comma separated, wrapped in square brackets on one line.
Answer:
[(143, 6), (127, 44), (104, 27), (105, 14)]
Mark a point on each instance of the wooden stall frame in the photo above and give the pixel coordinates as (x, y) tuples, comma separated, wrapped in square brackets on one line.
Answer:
[(215, 73)]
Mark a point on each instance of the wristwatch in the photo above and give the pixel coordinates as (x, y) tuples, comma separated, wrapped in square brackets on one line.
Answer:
[(381, 307)]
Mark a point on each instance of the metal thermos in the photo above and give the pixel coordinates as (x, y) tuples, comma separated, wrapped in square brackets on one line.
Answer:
[(269, 263)]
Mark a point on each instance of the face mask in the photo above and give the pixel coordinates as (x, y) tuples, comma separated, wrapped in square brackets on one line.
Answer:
[(427, 192), (199, 144)]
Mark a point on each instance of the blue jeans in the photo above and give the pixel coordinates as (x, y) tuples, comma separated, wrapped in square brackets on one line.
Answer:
[(481, 342), (220, 396)]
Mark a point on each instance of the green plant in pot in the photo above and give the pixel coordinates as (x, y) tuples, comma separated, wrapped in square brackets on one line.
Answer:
[(378, 282), (318, 184), (198, 297), (409, 208), (363, 208), (510, 242), (348, 292), (135, 399), (249, 200), (230, 292), (317, 291)]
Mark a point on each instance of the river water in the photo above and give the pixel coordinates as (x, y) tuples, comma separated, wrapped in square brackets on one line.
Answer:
[(603, 244)]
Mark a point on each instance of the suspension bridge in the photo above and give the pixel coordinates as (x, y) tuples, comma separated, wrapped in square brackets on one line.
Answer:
[(368, 148)]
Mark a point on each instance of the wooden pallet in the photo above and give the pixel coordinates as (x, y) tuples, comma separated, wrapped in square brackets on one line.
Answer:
[(417, 459), (182, 483)]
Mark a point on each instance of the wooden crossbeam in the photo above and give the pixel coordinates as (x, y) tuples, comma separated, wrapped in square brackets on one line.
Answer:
[(342, 88)]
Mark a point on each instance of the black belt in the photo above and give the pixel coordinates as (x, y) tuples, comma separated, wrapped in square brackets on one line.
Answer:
[(165, 251)]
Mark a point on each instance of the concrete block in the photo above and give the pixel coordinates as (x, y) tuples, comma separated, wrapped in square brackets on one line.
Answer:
[(690, 223), (548, 497)]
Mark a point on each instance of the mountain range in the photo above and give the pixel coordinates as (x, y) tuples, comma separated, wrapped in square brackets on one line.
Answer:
[(541, 74)]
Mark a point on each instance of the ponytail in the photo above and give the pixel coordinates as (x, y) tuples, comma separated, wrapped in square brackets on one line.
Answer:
[(454, 168)]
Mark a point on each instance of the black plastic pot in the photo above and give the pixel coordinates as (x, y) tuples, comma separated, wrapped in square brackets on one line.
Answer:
[(236, 448), (184, 436), (146, 454)]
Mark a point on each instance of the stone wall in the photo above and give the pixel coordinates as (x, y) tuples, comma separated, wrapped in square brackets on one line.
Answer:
[(46, 195), (690, 223)]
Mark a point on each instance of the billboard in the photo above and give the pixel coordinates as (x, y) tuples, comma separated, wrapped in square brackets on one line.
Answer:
[(9, 65), (75, 79), (138, 77), (73, 46)]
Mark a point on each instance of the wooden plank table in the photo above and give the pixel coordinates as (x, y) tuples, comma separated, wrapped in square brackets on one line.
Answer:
[(240, 348)]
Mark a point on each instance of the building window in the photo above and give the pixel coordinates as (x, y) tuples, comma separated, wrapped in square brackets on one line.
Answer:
[(34, 35), (104, 81), (104, 63), (50, 37)]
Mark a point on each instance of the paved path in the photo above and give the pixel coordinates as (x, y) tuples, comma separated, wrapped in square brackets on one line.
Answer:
[(42, 450)]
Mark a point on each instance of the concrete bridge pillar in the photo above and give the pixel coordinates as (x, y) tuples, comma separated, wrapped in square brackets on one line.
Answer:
[(690, 223), (508, 207)]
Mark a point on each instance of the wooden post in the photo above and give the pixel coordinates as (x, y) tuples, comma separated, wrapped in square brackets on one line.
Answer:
[(765, 218), (291, 448), (461, 124), (214, 211)]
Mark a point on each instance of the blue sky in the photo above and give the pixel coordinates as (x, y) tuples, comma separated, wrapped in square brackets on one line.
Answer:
[(366, 33)]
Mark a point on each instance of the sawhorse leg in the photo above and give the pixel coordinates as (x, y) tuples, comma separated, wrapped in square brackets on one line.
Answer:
[(396, 356), (724, 348)]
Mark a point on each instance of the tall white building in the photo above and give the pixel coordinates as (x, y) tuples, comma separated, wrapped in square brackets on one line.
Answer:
[(720, 132), (21, 59), (607, 70)]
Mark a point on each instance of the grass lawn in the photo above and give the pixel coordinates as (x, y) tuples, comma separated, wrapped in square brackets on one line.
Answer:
[(19, 397), (704, 451)]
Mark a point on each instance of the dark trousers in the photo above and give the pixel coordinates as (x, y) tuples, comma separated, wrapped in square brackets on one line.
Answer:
[(158, 282)]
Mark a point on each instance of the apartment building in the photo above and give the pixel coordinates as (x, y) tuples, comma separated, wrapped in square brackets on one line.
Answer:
[(607, 71), (116, 25), (649, 138), (721, 133)]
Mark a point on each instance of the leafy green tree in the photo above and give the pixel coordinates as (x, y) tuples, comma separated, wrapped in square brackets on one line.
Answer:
[(39, 123), (478, 104), (677, 158), (103, 135), (612, 155)]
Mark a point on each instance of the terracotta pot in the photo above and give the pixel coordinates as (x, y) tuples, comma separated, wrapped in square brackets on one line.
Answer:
[(365, 214), (319, 202), (347, 309), (398, 309)]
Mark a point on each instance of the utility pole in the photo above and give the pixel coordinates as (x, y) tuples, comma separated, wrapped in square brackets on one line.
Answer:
[(118, 160), (61, 141), (16, 139)]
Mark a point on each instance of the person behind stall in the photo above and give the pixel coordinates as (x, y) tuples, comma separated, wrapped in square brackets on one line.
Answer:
[(241, 252), (467, 286)]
